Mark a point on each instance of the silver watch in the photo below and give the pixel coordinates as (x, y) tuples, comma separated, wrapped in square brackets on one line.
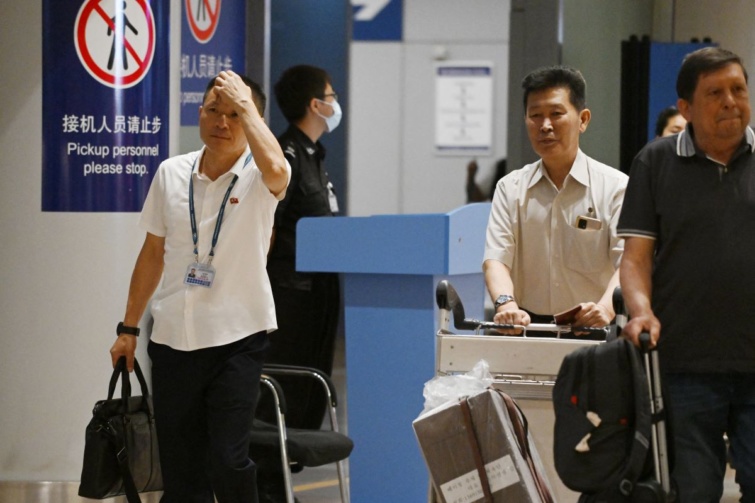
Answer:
[(501, 300)]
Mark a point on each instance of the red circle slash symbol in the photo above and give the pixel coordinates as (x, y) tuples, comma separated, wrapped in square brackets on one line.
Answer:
[(203, 18), (115, 40)]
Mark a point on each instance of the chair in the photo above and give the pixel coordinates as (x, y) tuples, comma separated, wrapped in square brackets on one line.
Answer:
[(297, 448)]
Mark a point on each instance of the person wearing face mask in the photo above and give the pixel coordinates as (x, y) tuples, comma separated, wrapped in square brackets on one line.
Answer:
[(307, 304)]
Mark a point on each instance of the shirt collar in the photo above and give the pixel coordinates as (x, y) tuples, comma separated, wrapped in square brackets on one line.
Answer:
[(685, 142), (578, 171), (242, 162), (312, 148), (236, 169)]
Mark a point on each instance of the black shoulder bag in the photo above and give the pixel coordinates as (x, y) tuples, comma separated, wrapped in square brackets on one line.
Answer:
[(120, 453)]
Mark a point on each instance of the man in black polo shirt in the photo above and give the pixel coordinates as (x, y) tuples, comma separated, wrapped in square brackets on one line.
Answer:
[(688, 272)]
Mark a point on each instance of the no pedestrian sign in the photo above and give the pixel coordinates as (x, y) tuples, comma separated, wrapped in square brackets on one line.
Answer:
[(105, 101), (203, 17), (204, 55), (115, 40)]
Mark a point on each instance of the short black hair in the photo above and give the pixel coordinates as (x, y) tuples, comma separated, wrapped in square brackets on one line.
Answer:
[(258, 94), (702, 61), (557, 76), (666, 114), (297, 86)]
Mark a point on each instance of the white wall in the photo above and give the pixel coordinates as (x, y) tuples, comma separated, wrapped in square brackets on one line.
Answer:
[(64, 280), (727, 22), (392, 165), (375, 131), (594, 47)]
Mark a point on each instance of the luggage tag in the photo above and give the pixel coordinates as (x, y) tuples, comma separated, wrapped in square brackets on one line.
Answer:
[(200, 275)]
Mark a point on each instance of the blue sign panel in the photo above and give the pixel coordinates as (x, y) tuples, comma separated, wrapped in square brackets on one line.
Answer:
[(378, 19), (665, 62), (212, 40), (104, 102)]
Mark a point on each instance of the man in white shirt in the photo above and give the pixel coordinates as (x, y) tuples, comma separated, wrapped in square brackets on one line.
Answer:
[(209, 218), (551, 243)]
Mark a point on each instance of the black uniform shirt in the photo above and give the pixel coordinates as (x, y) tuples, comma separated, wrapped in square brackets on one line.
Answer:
[(308, 195)]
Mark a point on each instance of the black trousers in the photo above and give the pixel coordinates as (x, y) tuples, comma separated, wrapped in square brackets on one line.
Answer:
[(204, 404), (307, 325)]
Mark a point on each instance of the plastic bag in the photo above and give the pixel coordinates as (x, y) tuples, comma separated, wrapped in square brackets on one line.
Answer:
[(443, 389)]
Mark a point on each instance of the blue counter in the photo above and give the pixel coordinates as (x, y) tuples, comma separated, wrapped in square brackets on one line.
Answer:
[(391, 265)]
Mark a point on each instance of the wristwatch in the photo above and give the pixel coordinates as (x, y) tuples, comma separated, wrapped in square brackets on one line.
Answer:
[(501, 300), (124, 329)]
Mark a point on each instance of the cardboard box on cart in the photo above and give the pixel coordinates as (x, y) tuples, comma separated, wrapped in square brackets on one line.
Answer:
[(444, 439)]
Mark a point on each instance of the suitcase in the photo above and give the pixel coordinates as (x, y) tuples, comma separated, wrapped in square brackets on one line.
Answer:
[(661, 488)]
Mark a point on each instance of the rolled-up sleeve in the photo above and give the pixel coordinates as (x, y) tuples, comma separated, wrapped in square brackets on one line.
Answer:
[(638, 213), (617, 243), (501, 236)]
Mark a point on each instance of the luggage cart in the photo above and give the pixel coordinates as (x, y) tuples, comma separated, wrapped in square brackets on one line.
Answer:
[(516, 358), (523, 366)]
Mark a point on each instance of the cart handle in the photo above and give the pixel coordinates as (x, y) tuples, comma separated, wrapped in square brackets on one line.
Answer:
[(448, 299), (477, 325)]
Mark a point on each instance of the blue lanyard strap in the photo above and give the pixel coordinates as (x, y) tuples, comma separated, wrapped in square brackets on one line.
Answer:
[(221, 211)]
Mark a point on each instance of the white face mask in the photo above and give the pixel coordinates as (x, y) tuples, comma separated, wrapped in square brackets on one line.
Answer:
[(334, 120)]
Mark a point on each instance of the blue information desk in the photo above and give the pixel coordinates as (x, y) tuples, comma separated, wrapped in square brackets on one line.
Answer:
[(391, 265)]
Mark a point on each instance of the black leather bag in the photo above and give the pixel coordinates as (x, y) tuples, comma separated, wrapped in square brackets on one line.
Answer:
[(121, 454)]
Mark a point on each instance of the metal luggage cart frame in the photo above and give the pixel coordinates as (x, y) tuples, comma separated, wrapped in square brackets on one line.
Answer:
[(526, 366), (522, 366)]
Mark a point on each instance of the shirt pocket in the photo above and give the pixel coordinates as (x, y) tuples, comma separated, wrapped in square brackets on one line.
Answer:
[(585, 250), (314, 198)]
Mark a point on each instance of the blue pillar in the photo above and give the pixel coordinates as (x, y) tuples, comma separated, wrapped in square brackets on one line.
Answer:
[(391, 264)]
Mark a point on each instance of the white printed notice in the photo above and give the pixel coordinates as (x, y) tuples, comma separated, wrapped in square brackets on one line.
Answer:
[(464, 108), (466, 488)]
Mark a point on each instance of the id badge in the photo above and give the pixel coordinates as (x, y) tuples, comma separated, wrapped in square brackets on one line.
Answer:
[(332, 199), (199, 275)]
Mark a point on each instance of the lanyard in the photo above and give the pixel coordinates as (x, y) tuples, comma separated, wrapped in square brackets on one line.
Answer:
[(221, 211)]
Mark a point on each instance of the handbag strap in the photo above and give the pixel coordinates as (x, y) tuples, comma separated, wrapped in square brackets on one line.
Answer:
[(120, 366), (132, 495), (519, 421), (475, 444), (121, 371)]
